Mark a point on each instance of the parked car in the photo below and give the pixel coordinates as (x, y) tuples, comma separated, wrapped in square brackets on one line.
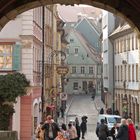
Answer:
[(110, 120)]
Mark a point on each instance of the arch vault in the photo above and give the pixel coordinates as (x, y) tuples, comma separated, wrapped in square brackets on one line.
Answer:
[(129, 9)]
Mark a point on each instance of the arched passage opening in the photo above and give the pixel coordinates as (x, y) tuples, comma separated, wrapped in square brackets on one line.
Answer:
[(130, 10), (26, 6)]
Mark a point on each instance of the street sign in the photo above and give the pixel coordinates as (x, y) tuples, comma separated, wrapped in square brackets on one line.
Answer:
[(63, 96)]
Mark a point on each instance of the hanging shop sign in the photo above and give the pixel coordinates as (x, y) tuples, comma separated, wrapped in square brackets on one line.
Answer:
[(62, 70)]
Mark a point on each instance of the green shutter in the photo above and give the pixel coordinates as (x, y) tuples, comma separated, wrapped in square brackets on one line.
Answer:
[(16, 57)]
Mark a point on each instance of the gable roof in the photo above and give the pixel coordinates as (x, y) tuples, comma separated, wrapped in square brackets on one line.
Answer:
[(89, 32), (93, 54), (91, 23)]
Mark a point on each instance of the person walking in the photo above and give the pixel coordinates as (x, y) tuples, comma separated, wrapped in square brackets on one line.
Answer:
[(114, 131), (39, 132), (102, 130), (62, 111), (77, 128), (64, 131), (51, 128), (72, 132), (131, 130), (123, 131), (83, 127), (101, 111)]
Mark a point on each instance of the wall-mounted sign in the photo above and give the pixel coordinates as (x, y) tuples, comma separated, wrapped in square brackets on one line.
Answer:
[(62, 70)]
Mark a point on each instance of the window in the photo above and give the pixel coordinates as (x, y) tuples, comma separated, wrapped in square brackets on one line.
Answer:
[(136, 42), (115, 47), (73, 69), (105, 71), (75, 86), (121, 47), (121, 67), (82, 70), (90, 70), (71, 40), (129, 73), (118, 73), (6, 56), (76, 50), (132, 42), (67, 51), (128, 43), (137, 70), (124, 44), (125, 72), (133, 73), (116, 70)]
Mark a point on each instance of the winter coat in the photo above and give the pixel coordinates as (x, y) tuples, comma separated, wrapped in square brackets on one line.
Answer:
[(102, 131), (123, 133), (131, 132), (83, 126), (39, 133), (78, 130), (55, 129), (72, 132)]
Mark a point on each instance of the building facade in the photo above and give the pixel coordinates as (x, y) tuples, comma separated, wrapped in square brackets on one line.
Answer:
[(82, 59), (21, 50), (126, 63), (108, 25)]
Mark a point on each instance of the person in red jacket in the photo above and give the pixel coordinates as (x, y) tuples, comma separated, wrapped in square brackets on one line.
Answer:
[(131, 130)]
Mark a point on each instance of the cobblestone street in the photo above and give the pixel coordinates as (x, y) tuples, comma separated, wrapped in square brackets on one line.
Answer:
[(84, 105)]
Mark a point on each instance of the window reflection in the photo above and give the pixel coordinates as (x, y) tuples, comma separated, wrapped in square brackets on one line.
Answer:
[(5, 56)]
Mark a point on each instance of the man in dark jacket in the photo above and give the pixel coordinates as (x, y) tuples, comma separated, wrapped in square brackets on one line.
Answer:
[(123, 131), (51, 128), (102, 130), (83, 127)]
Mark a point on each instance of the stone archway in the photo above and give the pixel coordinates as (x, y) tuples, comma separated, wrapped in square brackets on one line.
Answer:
[(129, 9)]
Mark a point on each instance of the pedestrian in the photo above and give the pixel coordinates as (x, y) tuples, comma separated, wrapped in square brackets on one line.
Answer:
[(101, 111), (131, 130), (83, 126), (116, 112), (39, 132), (102, 131), (72, 132), (77, 128), (64, 131), (60, 136), (51, 128), (114, 131), (62, 111), (123, 131), (130, 116)]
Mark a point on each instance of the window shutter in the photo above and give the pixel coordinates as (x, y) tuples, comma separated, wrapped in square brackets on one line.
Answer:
[(16, 57)]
